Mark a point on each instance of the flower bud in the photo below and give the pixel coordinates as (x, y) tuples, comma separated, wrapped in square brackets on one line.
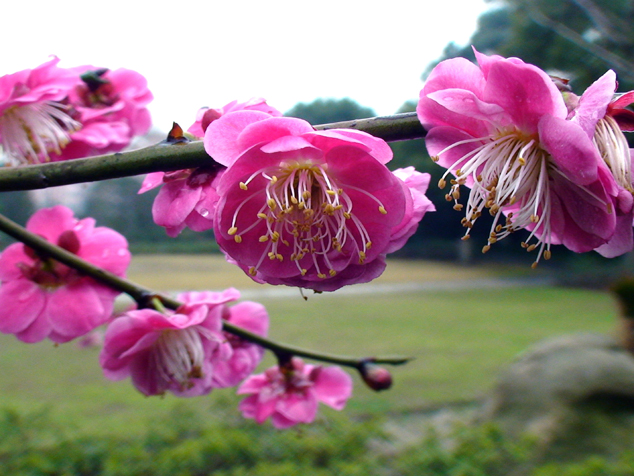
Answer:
[(375, 377)]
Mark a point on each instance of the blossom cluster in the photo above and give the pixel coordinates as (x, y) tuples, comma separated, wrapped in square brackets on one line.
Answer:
[(51, 113), (533, 154)]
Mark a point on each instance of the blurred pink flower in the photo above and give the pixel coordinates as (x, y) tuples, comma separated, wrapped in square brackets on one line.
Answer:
[(500, 128), (290, 394), (40, 297), (245, 356), (603, 119), (188, 197), (175, 352), (314, 209), (33, 121), (111, 106)]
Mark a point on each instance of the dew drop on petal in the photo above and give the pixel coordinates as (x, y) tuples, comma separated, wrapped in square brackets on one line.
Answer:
[(204, 212)]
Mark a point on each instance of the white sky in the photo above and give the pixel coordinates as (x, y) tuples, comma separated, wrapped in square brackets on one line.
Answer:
[(207, 53)]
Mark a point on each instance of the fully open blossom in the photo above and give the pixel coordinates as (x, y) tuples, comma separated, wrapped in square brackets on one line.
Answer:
[(501, 129), (245, 355), (314, 209), (33, 121), (188, 197), (40, 297), (290, 394), (111, 106)]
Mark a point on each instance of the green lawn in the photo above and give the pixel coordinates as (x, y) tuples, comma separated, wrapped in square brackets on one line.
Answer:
[(460, 341)]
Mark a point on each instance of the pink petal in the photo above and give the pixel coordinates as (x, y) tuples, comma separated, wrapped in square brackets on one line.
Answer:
[(333, 387)]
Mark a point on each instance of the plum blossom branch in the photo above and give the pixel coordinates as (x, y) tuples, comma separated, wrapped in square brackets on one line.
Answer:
[(143, 296), (169, 157)]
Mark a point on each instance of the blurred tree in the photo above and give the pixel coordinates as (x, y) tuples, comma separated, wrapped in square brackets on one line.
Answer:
[(324, 111), (18, 207), (576, 39)]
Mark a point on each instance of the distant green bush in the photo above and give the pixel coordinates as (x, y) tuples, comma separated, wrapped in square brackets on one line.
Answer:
[(185, 445)]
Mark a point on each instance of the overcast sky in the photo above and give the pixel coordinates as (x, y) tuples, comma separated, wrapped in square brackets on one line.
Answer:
[(207, 53)]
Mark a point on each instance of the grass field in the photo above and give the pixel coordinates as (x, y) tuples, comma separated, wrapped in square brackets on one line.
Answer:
[(460, 339)]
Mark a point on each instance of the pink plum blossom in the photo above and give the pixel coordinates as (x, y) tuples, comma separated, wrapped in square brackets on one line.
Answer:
[(188, 197), (501, 129), (40, 297), (603, 119), (111, 106), (33, 121), (306, 208), (291, 393), (161, 352), (245, 355)]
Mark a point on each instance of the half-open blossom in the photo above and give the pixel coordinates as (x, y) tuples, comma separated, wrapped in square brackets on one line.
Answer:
[(603, 118), (314, 209), (173, 352), (291, 393), (245, 355), (188, 197), (33, 121), (111, 106), (500, 128), (40, 297), (207, 115)]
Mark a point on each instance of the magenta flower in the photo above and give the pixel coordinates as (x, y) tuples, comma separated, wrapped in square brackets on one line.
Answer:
[(175, 352), (188, 197), (314, 209), (33, 121), (40, 297), (111, 107), (290, 394), (500, 128), (245, 356), (603, 119)]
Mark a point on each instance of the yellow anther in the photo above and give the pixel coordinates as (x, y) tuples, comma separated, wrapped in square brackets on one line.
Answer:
[(286, 242), (442, 183), (237, 239), (383, 210), (465, 238), (332, 272), (232, 231), (455, 194), (263, 239), (486, 248), (262, 215), (347, 215), (457, 207), (273, 179), (271, 255), (275, 236), (243, 186), (294, 201), (368, 245), (534, 218), (547, 254), (253, 271), (279, 257), (305, 194), (534, 265), (303, 272), (321, 275), (435, 158), (531, 248), (271, 203), (521, 160), (332, 193)]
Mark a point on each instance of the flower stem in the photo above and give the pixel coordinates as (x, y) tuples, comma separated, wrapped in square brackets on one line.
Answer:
[(166, 157), (144, 297)]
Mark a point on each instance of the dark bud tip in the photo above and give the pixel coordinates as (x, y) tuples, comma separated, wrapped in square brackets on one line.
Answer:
[(176, 135), (375, 377)]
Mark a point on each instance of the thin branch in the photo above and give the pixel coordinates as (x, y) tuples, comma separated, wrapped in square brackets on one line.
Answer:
[(168, 157), (143, 295)]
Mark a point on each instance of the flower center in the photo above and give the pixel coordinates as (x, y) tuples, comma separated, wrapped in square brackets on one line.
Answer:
[(32, 131), (615, 150), (509, 172), (309, 214), (179, 356)]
